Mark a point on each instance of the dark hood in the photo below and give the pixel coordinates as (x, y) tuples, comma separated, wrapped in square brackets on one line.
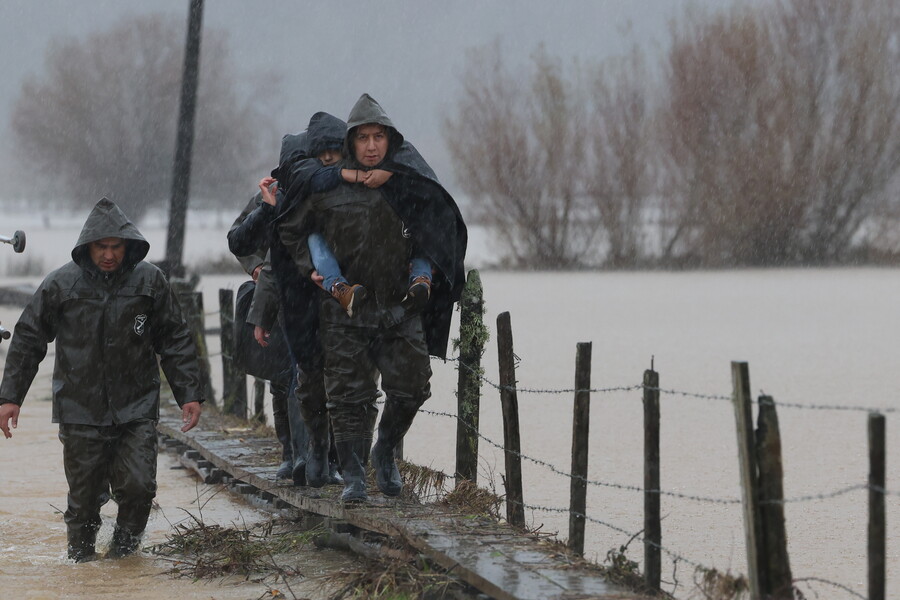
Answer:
[(293, 147), (107, 220), (366, 111), (325, 132)]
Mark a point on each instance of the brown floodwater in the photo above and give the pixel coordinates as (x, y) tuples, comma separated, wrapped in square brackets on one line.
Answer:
[(33, 536)]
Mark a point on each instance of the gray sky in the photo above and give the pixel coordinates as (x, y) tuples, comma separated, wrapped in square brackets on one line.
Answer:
[(407, 54)]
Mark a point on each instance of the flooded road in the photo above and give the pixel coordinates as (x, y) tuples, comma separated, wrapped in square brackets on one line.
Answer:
[(33, 535)]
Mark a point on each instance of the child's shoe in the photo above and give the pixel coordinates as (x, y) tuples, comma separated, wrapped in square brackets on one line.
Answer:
[(348, 295), (418, 293)]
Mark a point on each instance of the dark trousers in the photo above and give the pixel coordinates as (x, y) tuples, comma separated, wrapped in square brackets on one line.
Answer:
[(122, 455), (354, 354), (289, 423)]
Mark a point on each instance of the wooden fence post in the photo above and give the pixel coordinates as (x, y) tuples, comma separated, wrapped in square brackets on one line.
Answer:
[(877, 522), (515, 503), (191, 304), (259, 399), (234, 382), (777, 566), (743, 413), (472, 337), (652, 509), (581, 420)]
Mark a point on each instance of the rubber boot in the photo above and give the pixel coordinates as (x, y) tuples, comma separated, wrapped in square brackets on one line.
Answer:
[(81, 544), (124, 543), (280, 398), (353, 470), (317, 471), (371, 418), (395, 422)]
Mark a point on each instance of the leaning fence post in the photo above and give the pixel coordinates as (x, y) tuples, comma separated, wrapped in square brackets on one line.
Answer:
[(777, 567), (743, 413), (652, 510), (581, 420), (234, 382), (515, 504), (877, 522), (472, 337)]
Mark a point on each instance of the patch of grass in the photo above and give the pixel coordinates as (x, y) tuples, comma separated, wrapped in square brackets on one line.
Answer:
[(422, 484), (715, 585), (473, 499)]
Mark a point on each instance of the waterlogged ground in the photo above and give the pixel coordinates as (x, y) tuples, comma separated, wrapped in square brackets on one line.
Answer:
[(33, 535), (817, 337)]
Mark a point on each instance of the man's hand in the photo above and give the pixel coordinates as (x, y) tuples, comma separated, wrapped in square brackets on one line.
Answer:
[(260, 335), (256, 271), (376, 178), (8, 411), (318, 279), (268, 190), (190, 415)]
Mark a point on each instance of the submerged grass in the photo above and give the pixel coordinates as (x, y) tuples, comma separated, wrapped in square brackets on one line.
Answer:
[(200, 551)]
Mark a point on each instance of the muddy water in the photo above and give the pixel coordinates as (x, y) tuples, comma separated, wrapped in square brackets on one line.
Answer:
[(33, 535)]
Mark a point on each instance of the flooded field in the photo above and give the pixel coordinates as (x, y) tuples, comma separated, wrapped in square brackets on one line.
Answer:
[(813, 338)]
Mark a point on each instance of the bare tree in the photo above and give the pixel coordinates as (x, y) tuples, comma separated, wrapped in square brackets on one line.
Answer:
[(621, 178), (101, 120), (515, 143), (780, 130)]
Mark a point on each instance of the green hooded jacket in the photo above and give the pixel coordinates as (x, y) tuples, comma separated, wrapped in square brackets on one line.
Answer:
[(109, 329)]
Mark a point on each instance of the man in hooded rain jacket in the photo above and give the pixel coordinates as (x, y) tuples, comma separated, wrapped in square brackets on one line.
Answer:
[(298, 299), (111, 315), (373, 233)]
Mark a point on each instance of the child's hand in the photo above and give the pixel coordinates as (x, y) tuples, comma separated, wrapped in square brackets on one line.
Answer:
[(268, 190), (376, 178)]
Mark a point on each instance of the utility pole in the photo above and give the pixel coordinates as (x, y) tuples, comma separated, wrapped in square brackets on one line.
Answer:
[(181, 178)]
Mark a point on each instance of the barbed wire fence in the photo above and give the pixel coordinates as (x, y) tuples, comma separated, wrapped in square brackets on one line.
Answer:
[(676, 557)]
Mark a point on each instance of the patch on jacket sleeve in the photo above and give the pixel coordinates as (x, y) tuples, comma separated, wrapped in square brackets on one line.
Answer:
[(139, 322)]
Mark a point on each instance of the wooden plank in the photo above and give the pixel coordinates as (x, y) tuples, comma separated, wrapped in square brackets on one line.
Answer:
[(496, 558), (743, 413), (515, 502), (581, 421)]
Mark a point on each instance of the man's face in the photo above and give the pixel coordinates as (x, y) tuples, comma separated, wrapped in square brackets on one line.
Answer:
[(370, 144), (108, 253), (329, 157)]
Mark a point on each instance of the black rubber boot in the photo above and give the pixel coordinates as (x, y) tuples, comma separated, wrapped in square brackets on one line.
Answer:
[(81, 544), (317, 471), (353, 470), (395, 422), (282, 430), (123, 544), (285, 470)]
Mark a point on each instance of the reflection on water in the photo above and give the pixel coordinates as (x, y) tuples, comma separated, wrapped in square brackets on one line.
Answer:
[(33, 535)]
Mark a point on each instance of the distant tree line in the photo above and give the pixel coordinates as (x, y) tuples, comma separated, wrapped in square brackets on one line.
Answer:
[(101, 119), (769, 135)]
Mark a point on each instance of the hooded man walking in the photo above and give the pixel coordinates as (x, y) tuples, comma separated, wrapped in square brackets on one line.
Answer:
[(376, 235), (111, 315)]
